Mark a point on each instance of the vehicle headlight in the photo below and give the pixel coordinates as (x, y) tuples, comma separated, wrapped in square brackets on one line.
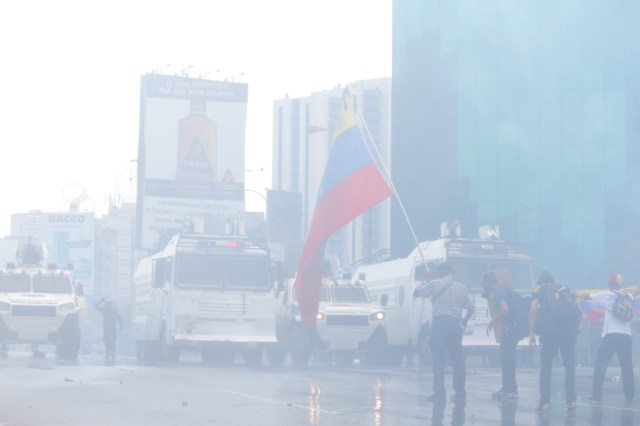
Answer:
[(320, 316), (377, 316), (4, 306)]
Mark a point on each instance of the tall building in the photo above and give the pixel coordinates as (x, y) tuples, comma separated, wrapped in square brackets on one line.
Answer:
[(303, 132), (524, 114)]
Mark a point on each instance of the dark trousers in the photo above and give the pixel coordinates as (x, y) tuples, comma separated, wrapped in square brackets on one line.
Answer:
[(110, 348), (446, 337), (508, 345), (565, 342), (621, 345)]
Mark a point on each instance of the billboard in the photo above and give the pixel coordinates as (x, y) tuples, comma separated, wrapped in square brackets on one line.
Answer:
[(69, 237), (190, 156)]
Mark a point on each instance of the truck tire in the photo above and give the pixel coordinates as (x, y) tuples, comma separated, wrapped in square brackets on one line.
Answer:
[(344, 358), (172, 354), (69, 346), (276, 354), (377, 348), (301, 346), (253, 356)]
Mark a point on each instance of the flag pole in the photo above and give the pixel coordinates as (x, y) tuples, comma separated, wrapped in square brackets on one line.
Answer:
[(375, 153)]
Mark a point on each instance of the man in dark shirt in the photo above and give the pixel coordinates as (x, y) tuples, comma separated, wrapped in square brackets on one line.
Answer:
[(110, 321)]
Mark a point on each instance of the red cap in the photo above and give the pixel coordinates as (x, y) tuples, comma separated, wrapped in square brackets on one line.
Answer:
[(614, 280)]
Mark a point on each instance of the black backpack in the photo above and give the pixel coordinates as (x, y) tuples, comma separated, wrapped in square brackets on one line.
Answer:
[(622, 307), (558, 308), (516, 322)]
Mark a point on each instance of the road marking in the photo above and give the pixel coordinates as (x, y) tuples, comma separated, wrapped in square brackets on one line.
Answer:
[(277, 401)]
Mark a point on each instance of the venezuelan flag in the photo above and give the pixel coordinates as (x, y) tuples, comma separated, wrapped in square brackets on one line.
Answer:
[(352, 183)]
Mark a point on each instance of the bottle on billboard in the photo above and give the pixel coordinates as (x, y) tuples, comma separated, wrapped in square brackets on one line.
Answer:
[(197, 145)]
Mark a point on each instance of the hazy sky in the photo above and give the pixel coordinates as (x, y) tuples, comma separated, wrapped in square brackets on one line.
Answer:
[(69, 107)]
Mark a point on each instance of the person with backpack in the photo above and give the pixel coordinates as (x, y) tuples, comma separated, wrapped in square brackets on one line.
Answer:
[(616, 337), (554, 315), (502, 306)]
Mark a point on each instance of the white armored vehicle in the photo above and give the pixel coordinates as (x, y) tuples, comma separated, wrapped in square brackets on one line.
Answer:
[(39, 304), (346, 321)]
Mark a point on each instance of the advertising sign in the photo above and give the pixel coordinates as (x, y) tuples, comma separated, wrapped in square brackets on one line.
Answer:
[(69, 238), (191, 155)]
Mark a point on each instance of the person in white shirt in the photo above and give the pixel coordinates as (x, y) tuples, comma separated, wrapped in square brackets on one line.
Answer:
[(616, 337)]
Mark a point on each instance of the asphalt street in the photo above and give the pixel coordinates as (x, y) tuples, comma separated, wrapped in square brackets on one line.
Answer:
[(48, 392)]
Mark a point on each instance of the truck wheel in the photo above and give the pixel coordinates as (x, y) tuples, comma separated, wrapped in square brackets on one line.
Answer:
[(172, 354), (301, 346), (377, 348), (69, 346), (253, 356), (276, 355), (344, 358)]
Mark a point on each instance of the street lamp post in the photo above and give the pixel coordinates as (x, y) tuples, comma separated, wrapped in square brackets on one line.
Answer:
[(308, 130)]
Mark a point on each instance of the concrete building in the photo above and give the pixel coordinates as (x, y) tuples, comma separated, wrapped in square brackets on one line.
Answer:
[(303, 132), (116, 254), (524, 114)]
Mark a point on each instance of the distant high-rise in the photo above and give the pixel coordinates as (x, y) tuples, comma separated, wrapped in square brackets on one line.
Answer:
[(303, 132), (524, 114)]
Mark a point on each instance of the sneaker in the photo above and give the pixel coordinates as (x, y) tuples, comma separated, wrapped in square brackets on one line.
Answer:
[(543, 406), (459, 397), (571, 405), (510, 395)]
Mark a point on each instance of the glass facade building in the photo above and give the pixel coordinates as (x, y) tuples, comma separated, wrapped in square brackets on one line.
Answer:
[(523, 114)]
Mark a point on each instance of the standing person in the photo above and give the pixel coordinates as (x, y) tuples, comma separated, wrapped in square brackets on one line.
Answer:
[(558, 317), (449, 299), (505, 336), (616, 337), (110, 320)]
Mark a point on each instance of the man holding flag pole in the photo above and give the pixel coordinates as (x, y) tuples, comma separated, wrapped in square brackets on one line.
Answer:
[(352, 183)]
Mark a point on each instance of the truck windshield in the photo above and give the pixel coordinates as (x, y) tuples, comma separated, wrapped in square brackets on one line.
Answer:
[(350, 294), (14, 284), (52, 284), (469, 272), (324, 294), (223, 272)]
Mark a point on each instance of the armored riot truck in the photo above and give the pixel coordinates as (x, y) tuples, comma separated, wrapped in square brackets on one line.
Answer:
[(212, 294), (346, 321), (39, 304), (408, 321)]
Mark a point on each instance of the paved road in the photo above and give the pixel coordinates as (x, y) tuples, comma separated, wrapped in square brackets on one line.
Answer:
[(46, 392)]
